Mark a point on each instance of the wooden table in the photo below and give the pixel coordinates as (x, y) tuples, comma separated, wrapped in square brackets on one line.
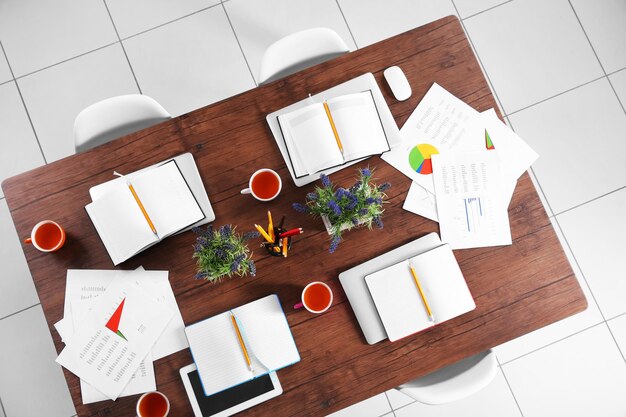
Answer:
[(517, 288)]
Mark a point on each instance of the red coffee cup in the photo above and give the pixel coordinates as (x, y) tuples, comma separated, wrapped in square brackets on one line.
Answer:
[(47, 236), (153, 404), (317, 297)]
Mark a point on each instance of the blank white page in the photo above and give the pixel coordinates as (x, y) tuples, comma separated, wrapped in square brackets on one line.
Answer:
[(167, 198), (398, 300), (310, 138), (358, 125), (120, 223), (266, 330), (217, 353)]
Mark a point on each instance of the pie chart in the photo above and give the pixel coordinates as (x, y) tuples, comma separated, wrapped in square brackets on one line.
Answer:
[(419, 158)]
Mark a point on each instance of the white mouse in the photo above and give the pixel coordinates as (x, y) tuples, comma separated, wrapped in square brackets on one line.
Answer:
[(398, 83)]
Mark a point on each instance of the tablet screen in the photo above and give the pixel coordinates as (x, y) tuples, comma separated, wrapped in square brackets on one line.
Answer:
[(224, 400)]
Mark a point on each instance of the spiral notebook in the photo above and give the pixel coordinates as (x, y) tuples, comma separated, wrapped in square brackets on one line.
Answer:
[(217, 352)]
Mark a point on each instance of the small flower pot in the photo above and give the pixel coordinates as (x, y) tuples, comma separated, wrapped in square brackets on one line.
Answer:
[(348, 225)]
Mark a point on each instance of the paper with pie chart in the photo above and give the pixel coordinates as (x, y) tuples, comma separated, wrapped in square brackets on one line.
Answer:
[(115, 336), (441, 123)]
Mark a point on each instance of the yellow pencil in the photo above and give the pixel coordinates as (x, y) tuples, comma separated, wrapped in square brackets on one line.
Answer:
[(270, 226), (243, 345), (265, 235), (332, 125), (419, 287), (143, 210), (285, 244)]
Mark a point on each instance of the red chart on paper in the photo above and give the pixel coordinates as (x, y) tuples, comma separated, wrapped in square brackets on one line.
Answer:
[(114, 322)]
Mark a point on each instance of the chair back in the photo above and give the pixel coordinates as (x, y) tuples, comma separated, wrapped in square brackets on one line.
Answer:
[(455, 381), (115, 117), (298, 51)]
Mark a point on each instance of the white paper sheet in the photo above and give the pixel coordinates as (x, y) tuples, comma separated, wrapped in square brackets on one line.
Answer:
[(471, 210), (422, 202), (143, 380), (88, 284), (441, 121), (106, 352)]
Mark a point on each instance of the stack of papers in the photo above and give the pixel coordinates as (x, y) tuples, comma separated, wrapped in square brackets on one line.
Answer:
[(115, 324), (464, 166)]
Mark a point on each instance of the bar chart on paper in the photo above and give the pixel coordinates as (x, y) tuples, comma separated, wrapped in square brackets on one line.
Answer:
[(473, 213)]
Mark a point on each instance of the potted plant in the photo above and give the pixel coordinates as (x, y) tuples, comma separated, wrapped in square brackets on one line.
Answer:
[(222, 252), (345, 208)]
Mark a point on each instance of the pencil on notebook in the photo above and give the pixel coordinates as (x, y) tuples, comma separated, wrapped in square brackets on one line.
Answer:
[(419, 288), (332, 125), (241, 343), (143, 209)]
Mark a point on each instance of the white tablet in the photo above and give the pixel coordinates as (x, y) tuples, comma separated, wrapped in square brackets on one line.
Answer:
[(232, 400)]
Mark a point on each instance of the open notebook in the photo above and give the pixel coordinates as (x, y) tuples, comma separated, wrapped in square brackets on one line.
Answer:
[(398, 300), (217, 352), (332, 133), (120, 222)]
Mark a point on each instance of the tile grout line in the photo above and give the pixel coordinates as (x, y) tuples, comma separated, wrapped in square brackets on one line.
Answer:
[(483, 11), (106, 6), (65, 60), (510, 388), (615, 340), (589, 201), (239, 43), (19, 311), (556, 95), (19, 91), (171, 21), (553, 343), (348, 26), (388, 402), (596, 54), (480, 62)]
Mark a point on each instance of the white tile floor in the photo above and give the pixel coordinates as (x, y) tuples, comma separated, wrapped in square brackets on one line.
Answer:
[(557, 67)]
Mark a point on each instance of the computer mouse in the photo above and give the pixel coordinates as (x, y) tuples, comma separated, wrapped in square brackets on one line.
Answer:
[(398, 83)]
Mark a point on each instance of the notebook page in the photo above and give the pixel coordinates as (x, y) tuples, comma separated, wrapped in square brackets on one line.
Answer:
[(167, 199), (120, 224), (308, 135), (398, 301), (358, 125), (216, 351), (267, 332), (443, 283)]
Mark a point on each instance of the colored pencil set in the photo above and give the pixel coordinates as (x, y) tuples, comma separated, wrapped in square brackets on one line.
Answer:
[(277, 239)]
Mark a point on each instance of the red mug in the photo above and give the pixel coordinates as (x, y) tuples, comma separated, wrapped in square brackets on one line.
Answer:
[(317, 297), (47, 236), (153, 404)]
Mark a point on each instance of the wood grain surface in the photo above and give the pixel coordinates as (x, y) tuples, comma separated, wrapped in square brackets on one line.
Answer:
[(517, 288)]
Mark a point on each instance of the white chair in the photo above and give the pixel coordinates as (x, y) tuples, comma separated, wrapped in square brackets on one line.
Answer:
[(455, 381), (115, 117), (298, 51)]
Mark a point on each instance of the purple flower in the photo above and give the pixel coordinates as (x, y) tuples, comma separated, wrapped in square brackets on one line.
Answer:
[(334, 243), (197, 230), (384, 187), (332, 204), (363, 212), (340, 193), (378, 200), (300, 207), (325, 180), (369, 200), (235, 265), (355, 221), (356, 186), (378, 221), (220, 254), (208, 233), (201, 275), (252, 267), (366, 172), (225, 231), (353, 201), (312, 196), (197, 248), (251, 235)]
